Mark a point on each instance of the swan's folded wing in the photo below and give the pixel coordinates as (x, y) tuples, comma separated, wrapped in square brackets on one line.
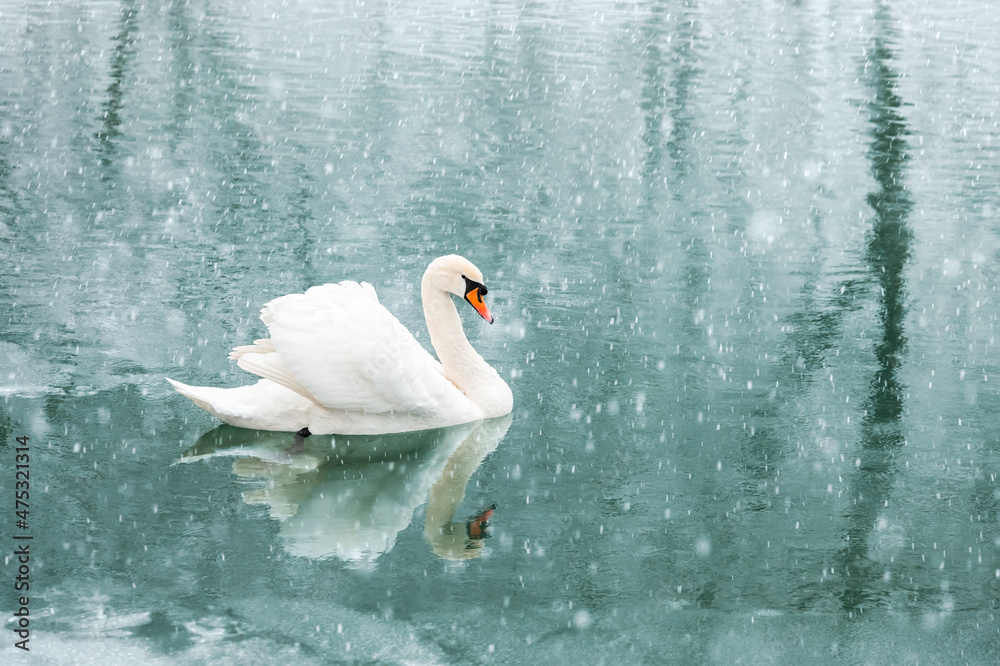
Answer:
[(270, 365), (341, 346)]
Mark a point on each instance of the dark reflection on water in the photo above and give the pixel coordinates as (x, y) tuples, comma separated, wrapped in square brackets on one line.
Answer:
[(684, 59), (122, 55), (887, 252), (654, 96), (8, 198)]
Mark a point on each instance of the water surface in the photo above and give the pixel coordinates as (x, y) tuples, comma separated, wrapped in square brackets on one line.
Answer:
[(743, 262)]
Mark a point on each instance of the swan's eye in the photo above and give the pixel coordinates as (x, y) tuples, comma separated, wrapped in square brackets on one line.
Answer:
[(471, 285)]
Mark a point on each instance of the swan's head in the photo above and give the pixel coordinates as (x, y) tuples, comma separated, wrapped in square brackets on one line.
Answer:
[(457, 275)]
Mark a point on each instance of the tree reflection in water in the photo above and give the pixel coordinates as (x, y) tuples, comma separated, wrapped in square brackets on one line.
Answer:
[(887, 253)]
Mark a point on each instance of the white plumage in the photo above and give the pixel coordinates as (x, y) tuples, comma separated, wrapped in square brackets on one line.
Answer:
[(338, 362)]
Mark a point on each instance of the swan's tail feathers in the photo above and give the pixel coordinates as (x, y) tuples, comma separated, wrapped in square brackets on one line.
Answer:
[(262, 346), (260, 406), (197, 394)]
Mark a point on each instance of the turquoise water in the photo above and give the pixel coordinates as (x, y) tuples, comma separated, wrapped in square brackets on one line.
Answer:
[(743, 259)]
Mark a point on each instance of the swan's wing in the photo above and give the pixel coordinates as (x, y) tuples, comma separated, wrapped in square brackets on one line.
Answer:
[(261, 358), (271, 366), (337, 345)]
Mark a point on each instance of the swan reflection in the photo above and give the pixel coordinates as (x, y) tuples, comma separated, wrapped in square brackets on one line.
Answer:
[(348, 497)]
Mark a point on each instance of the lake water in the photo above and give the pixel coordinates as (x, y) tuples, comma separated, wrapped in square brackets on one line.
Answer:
[(744, 263)]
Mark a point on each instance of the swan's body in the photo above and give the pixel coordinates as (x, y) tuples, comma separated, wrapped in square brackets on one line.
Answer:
[(338, 362)]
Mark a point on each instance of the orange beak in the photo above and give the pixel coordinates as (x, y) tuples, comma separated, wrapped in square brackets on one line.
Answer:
[(475, 299)]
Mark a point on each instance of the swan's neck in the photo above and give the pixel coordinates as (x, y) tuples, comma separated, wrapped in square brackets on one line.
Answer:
[(461, 363)]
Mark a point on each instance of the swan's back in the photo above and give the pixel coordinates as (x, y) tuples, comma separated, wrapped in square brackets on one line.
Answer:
[(337, 345)]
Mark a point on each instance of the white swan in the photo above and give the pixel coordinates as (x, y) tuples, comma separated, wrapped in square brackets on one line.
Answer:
[(338, 362)]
